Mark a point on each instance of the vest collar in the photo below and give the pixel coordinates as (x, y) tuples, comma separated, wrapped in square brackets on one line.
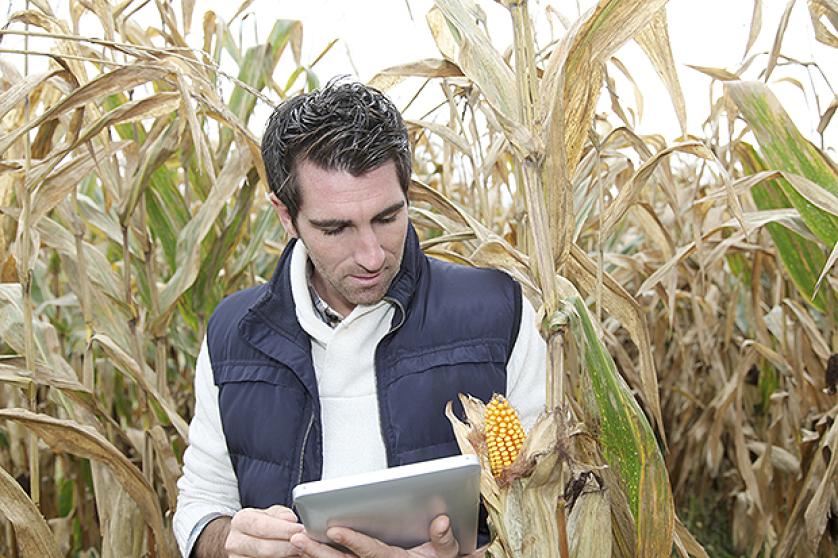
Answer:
[(272, 329)]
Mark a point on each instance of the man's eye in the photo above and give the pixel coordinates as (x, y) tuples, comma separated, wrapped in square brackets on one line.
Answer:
[(333, 232), (389, 219)]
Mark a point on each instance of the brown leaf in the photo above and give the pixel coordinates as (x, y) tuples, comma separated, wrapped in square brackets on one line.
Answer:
[(144, 377), (716, 73), (778, 40), (471, 49), (167, 464), (34, 538), (827, 115), (824, 9), (687, 543), (70, 437), (654, 40), (116, 81), (589, 523), (756, 26), (428, 68)]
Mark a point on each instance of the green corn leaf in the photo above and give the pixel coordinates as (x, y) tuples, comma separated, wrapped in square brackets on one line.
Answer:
[(258, 65), (263, 224), (628, 442), (167, 212), (784, 148), (802, 258), (223, 246)]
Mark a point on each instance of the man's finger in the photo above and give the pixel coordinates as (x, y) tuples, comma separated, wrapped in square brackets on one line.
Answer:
[(258, 523), (312, 549), (281, 512), (442, 538), (363, 546), (248, 546)]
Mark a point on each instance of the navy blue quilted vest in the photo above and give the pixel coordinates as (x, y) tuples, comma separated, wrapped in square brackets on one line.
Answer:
[(453, 331)]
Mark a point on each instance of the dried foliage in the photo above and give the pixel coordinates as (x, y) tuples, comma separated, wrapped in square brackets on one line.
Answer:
[(687, 291)]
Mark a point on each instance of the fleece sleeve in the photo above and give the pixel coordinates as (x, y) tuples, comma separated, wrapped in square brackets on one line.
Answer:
[(526, 371), (208, 487)]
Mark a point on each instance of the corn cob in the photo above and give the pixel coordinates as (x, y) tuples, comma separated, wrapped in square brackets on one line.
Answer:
[(504, 433)]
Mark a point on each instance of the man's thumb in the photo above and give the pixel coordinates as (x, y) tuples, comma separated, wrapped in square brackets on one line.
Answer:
[(442, 538)]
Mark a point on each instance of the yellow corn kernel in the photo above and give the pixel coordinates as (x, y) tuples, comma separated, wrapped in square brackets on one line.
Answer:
[(504, 433)]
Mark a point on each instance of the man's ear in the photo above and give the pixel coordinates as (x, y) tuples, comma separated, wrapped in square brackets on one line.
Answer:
[(283, 214)]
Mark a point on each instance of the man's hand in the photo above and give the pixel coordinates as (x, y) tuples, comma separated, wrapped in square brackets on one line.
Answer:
[(442, 544), (256, 533)]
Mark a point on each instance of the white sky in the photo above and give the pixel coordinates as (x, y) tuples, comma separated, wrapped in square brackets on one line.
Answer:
[(376, 34)]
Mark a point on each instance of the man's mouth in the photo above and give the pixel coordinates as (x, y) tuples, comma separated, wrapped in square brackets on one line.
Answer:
[(367, 278)]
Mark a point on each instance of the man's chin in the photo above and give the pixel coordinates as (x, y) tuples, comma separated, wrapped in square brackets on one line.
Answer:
[(367, 297)]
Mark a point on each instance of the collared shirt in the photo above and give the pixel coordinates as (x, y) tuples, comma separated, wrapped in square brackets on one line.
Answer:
[(329, 315)]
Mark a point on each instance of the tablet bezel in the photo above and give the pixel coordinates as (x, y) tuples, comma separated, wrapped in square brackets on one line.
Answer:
[(396, 505)]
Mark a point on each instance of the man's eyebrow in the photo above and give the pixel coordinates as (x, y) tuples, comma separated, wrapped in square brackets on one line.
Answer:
[(388, 211), (330, 223), (334, 223)]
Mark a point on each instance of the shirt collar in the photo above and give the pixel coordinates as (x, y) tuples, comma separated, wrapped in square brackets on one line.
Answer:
[(326, 313)]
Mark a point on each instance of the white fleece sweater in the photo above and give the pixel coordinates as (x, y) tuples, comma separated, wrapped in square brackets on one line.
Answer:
[(344, 365)]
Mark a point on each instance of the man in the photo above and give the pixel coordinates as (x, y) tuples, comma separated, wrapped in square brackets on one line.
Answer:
[(344, 361)]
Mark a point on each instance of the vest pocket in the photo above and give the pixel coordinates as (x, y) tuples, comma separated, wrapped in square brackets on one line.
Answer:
[(491, 353), (261, 413), (232, 372)]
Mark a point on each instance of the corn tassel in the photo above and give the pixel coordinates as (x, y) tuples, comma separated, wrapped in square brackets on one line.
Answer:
[(504, 433)]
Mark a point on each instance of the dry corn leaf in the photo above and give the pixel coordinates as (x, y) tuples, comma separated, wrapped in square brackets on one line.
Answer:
[(830, 262), (199, 140), (686, 543), (778, 40), (120, 521), (50, 24), (820, 10), (571, 84), (144, 377), (819, 508), (654, 40), (827, 115), (19, 90), (445, 133), (65, 179), (756, 27), (70, 437), (34, 538), (79, 397), (716, 73), (428, 68), (781, 459), (167, 463), (589, 522), (474, 54), (801, 531), (117, 81), (99, 268), (638, 95), (629, 193)]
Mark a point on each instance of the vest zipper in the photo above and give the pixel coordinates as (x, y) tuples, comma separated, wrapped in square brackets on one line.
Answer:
[(375, 365), (303, 448)]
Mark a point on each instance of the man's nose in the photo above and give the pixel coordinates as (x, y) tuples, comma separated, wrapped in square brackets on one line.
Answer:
[(368, 253)]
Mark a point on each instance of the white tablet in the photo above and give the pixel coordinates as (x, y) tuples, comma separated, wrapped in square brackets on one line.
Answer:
[(396, 505)]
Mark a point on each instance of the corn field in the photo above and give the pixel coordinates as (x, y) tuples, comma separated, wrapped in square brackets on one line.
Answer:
[(687, 290)]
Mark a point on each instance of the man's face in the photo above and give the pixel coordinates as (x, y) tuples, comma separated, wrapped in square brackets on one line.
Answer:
[(354, 229)]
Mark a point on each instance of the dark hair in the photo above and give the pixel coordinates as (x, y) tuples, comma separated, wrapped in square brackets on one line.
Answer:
[(345, 126)]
